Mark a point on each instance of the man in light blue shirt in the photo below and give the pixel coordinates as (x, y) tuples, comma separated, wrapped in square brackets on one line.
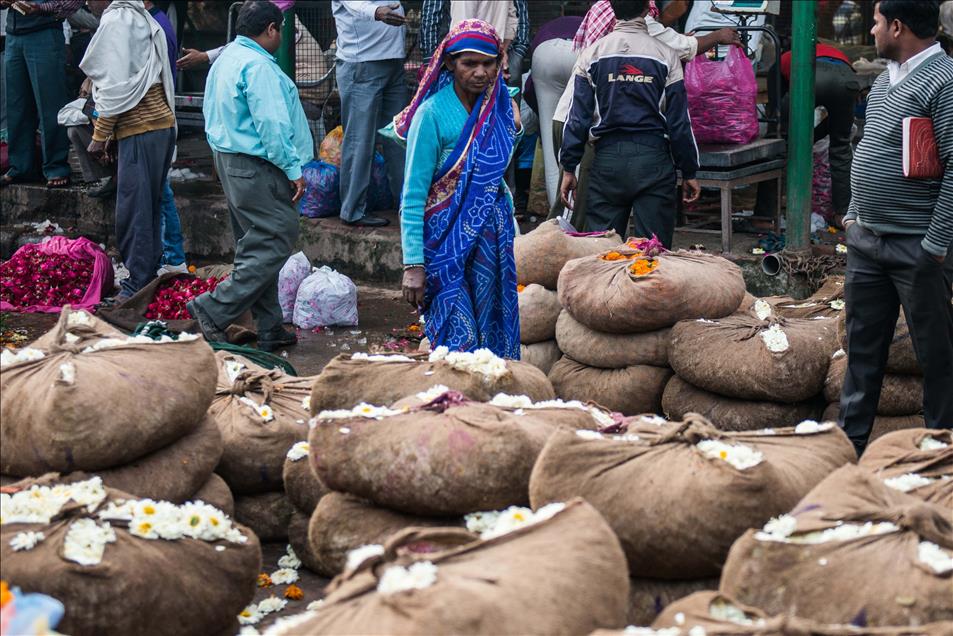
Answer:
[(372, 84), (260, 139)]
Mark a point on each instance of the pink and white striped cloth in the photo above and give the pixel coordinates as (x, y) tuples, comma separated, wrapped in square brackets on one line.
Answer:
[(599, 21)]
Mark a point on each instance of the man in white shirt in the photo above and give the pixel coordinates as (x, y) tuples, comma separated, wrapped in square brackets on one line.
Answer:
[(371, 80), (704, 14)]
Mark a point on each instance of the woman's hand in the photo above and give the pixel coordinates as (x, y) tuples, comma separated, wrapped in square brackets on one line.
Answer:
[(412, 285)]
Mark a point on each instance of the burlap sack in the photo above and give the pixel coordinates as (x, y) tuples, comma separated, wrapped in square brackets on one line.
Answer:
[(648, 597), (542, 355), (730, 414), (731, 357), (302, 486), (826, 302), (897, 454), (629, 390), (255, 446), (298, 540), (345, 383), (718, 615), (215, 492), (267, 514), (131, 312), (876, 578), (341, 523), (542, 253), (902, 358), (899, 395), (450, 457), (611, 350), (141, 586), (681, 490), (539, 309), (605, 296), (87, 411), (883, 424), (564, 575)]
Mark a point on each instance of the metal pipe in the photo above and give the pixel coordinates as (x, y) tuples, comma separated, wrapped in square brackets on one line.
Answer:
[(801, 126), (771, 264), (286, 54)]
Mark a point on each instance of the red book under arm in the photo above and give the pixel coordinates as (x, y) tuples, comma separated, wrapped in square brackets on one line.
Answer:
[(921, 157)]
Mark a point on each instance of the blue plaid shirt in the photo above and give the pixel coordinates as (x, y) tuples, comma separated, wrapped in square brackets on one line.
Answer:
[(435, 23)]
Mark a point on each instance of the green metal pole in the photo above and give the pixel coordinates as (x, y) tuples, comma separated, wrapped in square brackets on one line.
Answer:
[(801, 126), (286, 54)]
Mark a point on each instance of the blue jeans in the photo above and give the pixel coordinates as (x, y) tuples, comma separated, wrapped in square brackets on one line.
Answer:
[(173, 253)]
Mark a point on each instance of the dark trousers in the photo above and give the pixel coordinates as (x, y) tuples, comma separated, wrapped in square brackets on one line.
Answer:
[(35, 90), (578, 217), (884, 273), (141, 169), (633, 177), (265, 224)]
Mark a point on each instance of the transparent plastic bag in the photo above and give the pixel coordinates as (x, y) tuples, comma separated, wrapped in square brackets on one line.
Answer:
[(326, 298), (292, 274), (722, 99)]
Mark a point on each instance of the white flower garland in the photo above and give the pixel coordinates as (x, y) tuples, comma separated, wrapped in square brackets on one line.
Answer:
[(481, 362), (775, 339), (86, 541), (939, 560), (809, 427), (363, 409), (299, 451), (112, 343), (417, 576), (39, 504), (910, 481), (762, 309), (377, 357), (9, 358), (432, 393), (493, 523), (26, 540), (594, 435), (504, 400), (782, 530), (738, 455)]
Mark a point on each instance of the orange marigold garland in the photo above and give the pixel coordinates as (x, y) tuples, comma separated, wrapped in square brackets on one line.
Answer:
[(294, 592)]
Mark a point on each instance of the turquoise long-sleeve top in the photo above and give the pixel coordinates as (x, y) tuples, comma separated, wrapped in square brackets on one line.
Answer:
[(251, 107), (432, 136)]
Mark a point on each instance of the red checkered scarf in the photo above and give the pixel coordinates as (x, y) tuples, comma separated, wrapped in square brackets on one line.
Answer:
[(599, 21)]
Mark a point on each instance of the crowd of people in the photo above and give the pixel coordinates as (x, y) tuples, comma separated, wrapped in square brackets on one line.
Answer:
[(607, 90)]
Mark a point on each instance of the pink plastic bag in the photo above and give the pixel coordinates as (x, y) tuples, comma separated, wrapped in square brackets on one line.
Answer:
[(18, 273), (722, 99)]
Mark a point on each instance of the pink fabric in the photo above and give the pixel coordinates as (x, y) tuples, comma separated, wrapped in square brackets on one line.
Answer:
[(79, 249), (284, 5), (722, 99), (599, 21)]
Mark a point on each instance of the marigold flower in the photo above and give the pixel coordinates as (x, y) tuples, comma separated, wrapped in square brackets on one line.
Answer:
[(5, 594), (264, 580), (613, 256), (520, 288), (643, 266), (294, 592)]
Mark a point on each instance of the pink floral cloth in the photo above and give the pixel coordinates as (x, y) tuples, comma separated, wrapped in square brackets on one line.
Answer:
[(599, 21)]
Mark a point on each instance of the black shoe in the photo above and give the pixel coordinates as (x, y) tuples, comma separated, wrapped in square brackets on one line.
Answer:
[(105, 189), (368, 220), (211, 332), (276, 339)]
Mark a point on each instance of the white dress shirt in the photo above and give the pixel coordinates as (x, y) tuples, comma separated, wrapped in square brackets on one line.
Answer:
[(898, 71), (361, 37)]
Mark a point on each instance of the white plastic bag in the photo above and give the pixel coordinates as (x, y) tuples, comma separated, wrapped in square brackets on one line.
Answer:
[(292, 274), (326, 298), (72, 114)]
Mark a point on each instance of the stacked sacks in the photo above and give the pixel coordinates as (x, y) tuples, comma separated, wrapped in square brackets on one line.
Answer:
[(122, 565), (916, 461), (853, 550), (619, 306), (559, 572), (541, 254), (539, 309), (723, 482), (750, 370), (428, 464), (304, 491), (85, 397), (384, 379), (261, 413)]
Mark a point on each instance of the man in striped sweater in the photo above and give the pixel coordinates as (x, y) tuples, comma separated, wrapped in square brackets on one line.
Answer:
[(899, 230)]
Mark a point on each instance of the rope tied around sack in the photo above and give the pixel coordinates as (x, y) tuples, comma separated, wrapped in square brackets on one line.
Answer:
[(249, 381), (763, 325), (693, 429), (920, 518)]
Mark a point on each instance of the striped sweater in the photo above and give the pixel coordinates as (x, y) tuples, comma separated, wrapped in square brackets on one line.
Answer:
[(152, 113), (884, 201)]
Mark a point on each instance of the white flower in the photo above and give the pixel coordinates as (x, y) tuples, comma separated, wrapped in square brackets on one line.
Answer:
[(480, 362), (70, 338), (697, 630), (803, 305), (112, 343), (363, 409), (26, 540), (722, 610), (841, 248), (782, 526), (843, 532), (285, 626), (284, 576), (289, 560), (271, 604), (588, 435), (344, 430), (86, 541), (931, 444), (306, 403), (706, 321), (519, 402), (67, 373), (836, 304), (738, 455), (357, 556), (432, 393), (232, 370), (380, 358), (250, 615), (655, 420), (774, 339), (248, 630), (762, 309), (417, 576), (757, 251), (632, 630), (594, 435), (314, 606), (808, 427), (298, 451), (939, 560), (494, 524), (840, 353), (9, 358), (79, 317), (266, 413), (908, 482), (39, 504)]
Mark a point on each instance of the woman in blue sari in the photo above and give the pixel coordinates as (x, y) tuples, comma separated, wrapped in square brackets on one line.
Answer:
[(457, 225)]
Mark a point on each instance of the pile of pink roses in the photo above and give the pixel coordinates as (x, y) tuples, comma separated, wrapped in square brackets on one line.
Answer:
[(33, 278), (171, 296)]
